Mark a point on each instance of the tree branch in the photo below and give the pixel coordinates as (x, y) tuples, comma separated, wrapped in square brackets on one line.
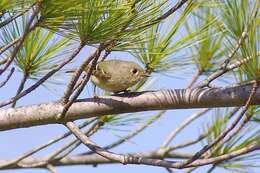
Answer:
[(36, 149), (4, 48), (223, 134), (44, 78), (51, 168), (148, 159), (12, 18), (90, 159), (7, 78), (21, 86), (92, 146), (41, 114)]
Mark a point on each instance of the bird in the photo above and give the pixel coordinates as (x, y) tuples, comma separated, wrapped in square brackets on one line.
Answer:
[(116, 75)]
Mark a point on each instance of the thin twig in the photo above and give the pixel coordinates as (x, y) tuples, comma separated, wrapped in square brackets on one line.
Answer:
[(44, 78), (21, 87), (238, 63), (10, 19), (245, 150), (187, 143), (71, 86), (75, 142), (107, 52), (77, 73), (246, 119), (91, 145), (79, 83), (222, 135), (7, 78), (211, 168), (132, 134), (36, 149), (224, 68), (222, 71), (200, 162), (169, 170), (76, 86), (183, 125), (194, 79), (69, 90), (3, 61), (51, 168), (27, 30), (237, 46), (177, 6), (3, 49), (200, 137)]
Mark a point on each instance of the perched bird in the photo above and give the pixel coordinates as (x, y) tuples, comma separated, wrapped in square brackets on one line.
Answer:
[(116, 75)]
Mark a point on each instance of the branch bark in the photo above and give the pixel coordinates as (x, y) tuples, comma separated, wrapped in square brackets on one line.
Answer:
[(41, 114), (150, 157), (90, 159)]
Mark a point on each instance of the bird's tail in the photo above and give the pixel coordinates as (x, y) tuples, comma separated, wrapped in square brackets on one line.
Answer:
[(71, 71)]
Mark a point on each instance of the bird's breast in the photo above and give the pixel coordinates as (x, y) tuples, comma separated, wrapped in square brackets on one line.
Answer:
[(111, 85)]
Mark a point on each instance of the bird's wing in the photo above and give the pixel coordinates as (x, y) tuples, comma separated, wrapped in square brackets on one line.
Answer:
[(102, 72)]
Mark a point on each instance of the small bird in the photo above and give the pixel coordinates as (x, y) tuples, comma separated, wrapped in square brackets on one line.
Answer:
[(117, 75)]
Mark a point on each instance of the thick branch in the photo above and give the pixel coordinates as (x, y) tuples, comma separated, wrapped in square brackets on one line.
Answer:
[(41, 114)]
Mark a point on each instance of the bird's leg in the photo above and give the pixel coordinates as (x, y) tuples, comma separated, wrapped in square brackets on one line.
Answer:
[(95, 96)]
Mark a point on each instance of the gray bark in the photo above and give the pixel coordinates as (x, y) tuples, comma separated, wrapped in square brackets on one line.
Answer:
[(41, 114)]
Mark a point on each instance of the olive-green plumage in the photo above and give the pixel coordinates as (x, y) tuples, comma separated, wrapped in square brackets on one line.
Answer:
[(116, 75)]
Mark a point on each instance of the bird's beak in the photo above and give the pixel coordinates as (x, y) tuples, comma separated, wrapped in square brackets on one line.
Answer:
[(145, 75)]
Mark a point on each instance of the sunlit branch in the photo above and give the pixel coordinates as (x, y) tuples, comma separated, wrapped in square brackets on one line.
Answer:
[(125, 103)]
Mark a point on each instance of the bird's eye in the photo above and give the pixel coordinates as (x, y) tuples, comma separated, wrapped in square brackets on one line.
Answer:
[(134, 70)]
